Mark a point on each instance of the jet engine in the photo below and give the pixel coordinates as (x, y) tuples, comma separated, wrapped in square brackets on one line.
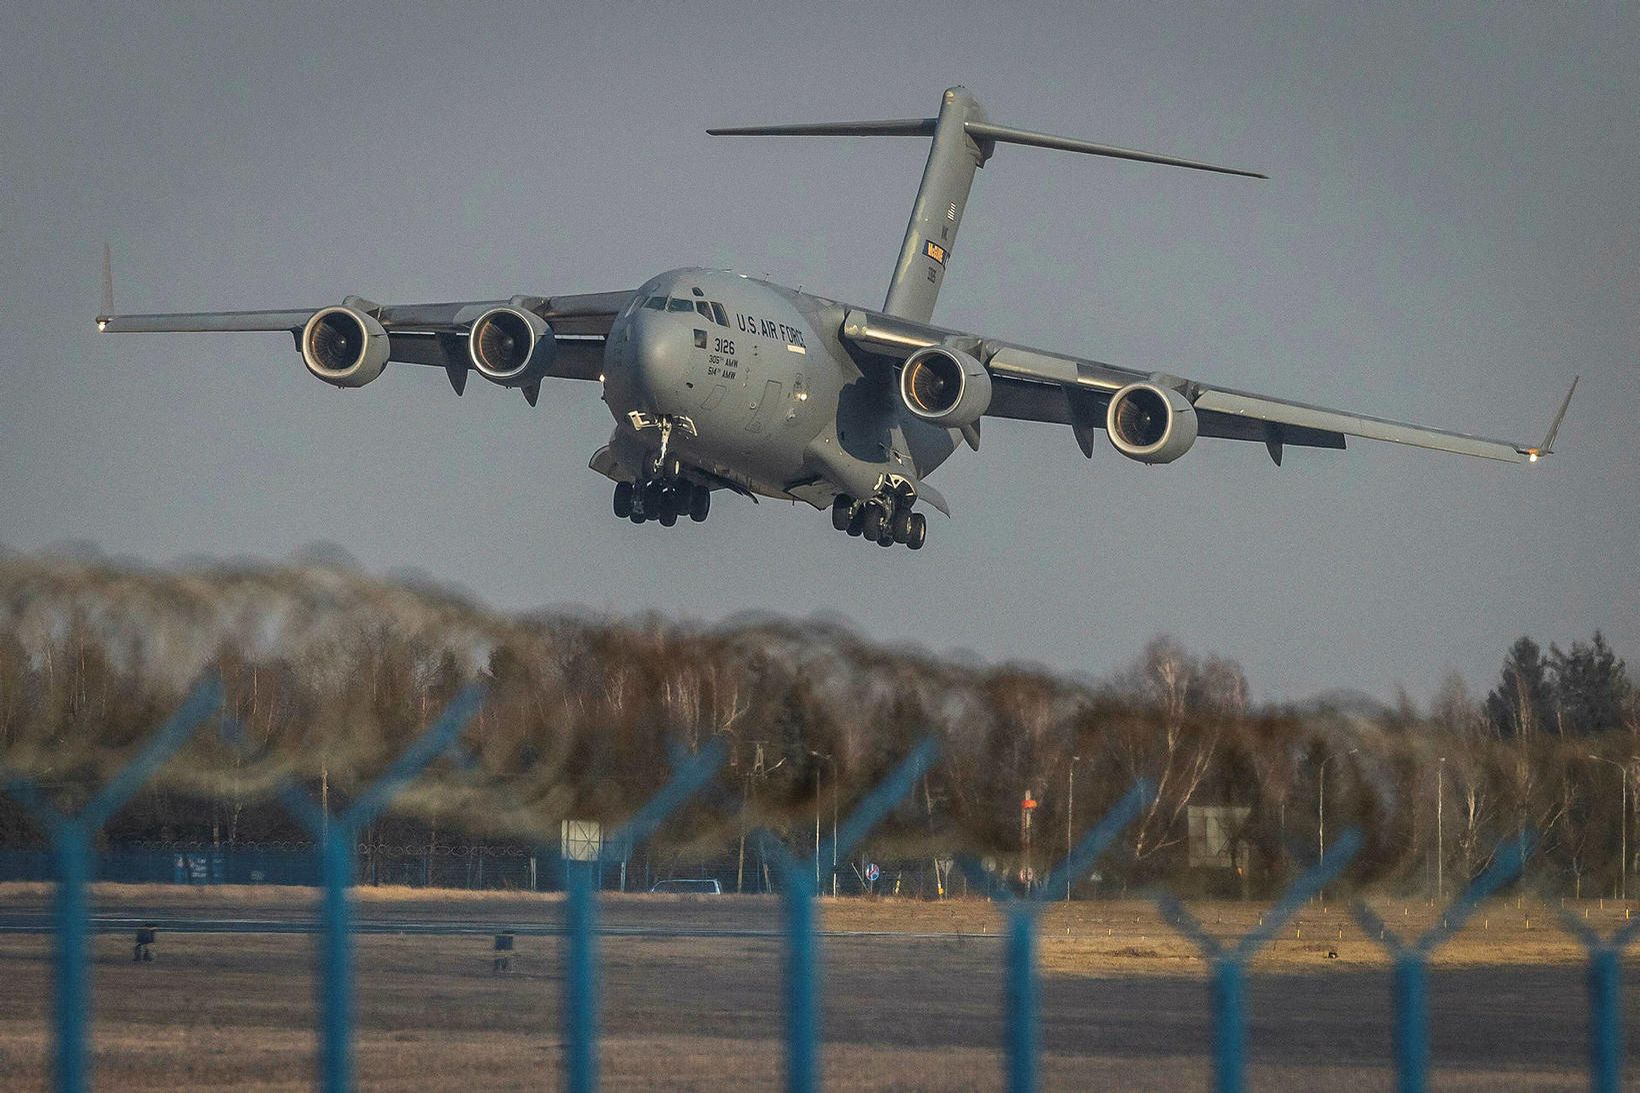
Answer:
[(511, 346), (344, 346), (945, 386), (1150, 423)]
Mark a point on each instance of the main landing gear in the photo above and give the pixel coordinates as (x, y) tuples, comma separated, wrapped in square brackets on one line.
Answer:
[(883, 520), (662, 497)]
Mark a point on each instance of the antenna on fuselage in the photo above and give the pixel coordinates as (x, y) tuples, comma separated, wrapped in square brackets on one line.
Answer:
[(963, 139)]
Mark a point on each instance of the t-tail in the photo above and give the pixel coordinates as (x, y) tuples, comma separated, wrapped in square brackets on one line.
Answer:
[(963, 139)]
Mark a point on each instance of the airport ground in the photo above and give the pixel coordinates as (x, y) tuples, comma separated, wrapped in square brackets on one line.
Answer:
[(691, 999)]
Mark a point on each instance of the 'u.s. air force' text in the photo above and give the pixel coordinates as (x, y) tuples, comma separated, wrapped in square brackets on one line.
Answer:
[(768, 328)]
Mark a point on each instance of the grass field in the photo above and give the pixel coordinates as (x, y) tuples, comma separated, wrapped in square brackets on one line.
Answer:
[(1124, 999)]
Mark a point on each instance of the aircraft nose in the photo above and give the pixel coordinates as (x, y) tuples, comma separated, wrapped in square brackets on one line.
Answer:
[(664, 346)]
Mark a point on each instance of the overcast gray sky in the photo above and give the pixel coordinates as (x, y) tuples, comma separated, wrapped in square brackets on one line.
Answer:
[(1449, 234)]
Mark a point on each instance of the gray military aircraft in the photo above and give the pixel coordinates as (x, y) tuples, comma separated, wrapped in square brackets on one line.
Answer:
[(717, 380)]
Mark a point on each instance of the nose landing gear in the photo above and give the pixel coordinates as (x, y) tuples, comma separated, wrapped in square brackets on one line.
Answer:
[(884, 520)]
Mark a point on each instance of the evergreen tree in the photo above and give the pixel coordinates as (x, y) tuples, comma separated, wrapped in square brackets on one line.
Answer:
[(1591, 688), (1522, 704)]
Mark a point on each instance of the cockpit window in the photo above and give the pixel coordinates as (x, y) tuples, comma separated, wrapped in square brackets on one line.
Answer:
[(700, 306), (655, 303), (679, 305), (719, 314)]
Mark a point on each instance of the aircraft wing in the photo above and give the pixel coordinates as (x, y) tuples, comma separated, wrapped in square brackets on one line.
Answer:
[(430, 334), (1032, 385)]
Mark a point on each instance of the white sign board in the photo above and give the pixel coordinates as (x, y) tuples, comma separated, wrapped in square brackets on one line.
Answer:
[(582, 840), (1216, 835)]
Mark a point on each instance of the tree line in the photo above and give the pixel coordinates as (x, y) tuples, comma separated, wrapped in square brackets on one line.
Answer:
[(330, 673)]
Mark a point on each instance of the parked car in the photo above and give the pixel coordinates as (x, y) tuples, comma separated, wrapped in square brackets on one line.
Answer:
[(690, 886)]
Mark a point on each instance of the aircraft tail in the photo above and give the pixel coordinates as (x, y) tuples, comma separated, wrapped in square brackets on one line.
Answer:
[(963, 139)]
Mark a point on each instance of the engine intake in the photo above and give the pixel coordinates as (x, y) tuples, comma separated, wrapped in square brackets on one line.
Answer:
[(1150, 423), (344, 346), (511, 346), (945, 386)]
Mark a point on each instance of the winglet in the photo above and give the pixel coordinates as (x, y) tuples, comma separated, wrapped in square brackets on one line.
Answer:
[(1548, 445), (107, 287)]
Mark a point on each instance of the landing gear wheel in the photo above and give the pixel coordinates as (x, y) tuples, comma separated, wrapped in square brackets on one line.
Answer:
[(872, 526), (885, 537), (918, 534), (857, 521), (900, 526), (700, 503), (653, 491), (842, 511), (637, 516), (623, 499), (668, 512)]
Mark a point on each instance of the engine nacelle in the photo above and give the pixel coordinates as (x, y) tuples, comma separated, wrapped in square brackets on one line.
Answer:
[(1150, 423), (945, 386), (344, 346), (511, 346)]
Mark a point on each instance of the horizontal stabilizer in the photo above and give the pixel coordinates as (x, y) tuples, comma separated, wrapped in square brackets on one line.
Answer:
[(903, 127), (985, 131)]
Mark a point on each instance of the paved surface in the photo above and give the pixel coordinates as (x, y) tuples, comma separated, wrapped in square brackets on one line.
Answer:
[(695, 983), (698, 917)]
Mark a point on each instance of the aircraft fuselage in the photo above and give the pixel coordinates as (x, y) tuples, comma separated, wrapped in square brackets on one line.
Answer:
[(759, 391)]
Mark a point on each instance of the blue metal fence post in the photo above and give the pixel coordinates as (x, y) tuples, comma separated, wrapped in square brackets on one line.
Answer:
[(798, 887), (1411, 988), (1227, 982), (336, 836), (336, 947), (1605, 1018), (1229, 992), (1020, 996), (1410, 985), (581, 994), (802, 983), (1605, 984), (71, 838), (582, 879), (73, 998), (1021, 1004)]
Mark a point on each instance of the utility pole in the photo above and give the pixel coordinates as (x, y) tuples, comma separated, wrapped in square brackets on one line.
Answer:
[(1027, 872), (834, 827), (1321, 809), (832, 759), (1440, 832), (1070, 822), (817, 833)]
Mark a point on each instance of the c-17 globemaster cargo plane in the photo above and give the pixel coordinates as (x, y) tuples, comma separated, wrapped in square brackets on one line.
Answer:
[(721, 381)]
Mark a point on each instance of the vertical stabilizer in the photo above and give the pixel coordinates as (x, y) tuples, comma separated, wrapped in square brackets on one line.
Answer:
[(941, 198)]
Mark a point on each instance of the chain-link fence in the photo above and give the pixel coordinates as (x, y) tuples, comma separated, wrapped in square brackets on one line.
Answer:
[(338, 856)]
